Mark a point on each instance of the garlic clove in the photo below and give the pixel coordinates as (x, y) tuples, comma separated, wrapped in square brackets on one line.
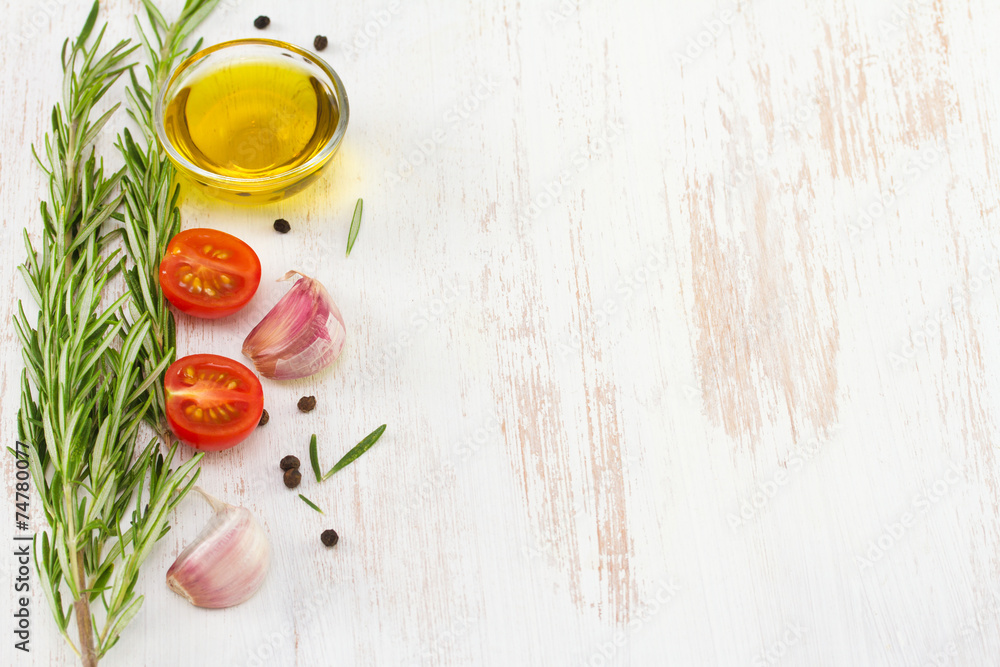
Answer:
[(226, 563), (303, 334)]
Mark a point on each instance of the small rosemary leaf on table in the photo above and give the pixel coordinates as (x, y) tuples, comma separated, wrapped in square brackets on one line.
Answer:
[(359, 449), (314, 458), (355, 226), (311, 504)]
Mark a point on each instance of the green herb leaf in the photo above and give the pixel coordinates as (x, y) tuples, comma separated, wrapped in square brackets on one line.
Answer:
[(355, 226), (314, 458), (359, 449), (88, 26), (311, 504)]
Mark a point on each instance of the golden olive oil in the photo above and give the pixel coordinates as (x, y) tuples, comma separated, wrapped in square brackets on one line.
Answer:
[(252, 119)]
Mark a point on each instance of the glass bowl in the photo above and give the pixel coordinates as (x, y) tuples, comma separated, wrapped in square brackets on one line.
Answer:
[(280, 182)]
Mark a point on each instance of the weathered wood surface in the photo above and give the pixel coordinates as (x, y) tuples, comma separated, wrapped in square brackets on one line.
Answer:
[(683, 318)]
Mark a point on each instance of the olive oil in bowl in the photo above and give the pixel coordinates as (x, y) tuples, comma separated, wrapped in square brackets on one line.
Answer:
[(252, 119), (255, 126)]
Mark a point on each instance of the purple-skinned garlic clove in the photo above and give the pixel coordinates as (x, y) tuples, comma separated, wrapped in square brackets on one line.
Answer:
[(303, 334), (228, 561)]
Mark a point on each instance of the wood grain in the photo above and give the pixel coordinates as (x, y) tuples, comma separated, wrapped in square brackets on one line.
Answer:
[(681, 315)]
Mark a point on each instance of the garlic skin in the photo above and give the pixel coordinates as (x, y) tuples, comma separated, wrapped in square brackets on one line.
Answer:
[(303, 334), (226, 563)]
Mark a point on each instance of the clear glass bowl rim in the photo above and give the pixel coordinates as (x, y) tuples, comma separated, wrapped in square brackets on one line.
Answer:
[(229, 182)]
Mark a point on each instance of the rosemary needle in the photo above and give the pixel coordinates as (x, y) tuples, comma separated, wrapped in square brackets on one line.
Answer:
[(356, 452), (311, 504), (314, 458), (355, 226)]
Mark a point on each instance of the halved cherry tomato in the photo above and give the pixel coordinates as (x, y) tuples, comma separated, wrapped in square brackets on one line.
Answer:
[(208, 273), (213, 402)]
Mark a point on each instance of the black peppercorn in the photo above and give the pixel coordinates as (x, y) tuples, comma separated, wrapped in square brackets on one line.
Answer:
[(261, 22), (292, 478), (320, 42), (264, 418), (329, 537), (281, 226), (289, 463), (307, 403)]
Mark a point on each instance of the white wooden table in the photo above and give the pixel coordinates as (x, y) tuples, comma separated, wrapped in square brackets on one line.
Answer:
[(683, 318)]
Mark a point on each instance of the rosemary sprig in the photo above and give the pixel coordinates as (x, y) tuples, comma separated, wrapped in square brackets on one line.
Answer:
[(82, 401), (150, 216), (352, 235)]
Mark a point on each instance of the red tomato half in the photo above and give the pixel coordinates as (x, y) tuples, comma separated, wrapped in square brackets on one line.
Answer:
[(208, 273), (213, 402)]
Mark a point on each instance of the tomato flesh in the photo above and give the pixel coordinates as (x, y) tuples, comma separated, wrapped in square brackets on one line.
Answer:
[(207, 273), (213, 402)]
